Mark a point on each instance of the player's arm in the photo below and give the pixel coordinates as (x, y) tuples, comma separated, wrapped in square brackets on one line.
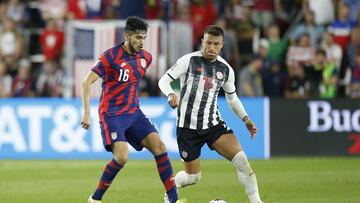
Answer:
[(237, 107), (165, 87), (85, 96), (179, 68), (235, 104)]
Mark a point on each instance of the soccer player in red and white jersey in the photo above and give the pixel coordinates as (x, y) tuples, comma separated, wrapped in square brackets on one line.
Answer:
[(202, 74), (121, 120)]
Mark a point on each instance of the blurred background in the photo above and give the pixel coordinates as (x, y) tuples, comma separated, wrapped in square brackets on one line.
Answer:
[(297, 67)]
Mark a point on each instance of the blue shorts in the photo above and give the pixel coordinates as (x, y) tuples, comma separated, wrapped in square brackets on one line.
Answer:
[(131, 128)]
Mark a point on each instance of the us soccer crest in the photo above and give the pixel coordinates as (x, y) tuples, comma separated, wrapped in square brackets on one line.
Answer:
[(143, 63)]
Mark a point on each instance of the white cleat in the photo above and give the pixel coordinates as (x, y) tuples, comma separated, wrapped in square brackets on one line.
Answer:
[(91, 200), (166, 199)]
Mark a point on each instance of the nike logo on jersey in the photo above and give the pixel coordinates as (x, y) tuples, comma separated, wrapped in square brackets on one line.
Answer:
[(123, 64)]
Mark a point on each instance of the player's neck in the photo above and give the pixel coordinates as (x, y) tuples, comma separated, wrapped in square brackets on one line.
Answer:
[(127, 49)]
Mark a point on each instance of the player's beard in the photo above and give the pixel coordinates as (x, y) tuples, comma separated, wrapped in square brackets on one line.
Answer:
[(132, 49)]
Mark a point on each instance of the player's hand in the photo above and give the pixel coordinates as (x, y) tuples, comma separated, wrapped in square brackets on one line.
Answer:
[(172, 100), (251, 128), (85, 121)]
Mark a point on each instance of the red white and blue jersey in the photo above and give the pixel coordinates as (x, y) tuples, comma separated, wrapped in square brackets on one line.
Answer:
[(121, 74)]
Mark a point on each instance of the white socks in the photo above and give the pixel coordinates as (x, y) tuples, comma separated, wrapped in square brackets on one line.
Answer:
[(183, 179), (247, 177)]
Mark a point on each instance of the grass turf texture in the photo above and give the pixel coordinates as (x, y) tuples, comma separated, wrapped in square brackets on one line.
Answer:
[(281, 180)]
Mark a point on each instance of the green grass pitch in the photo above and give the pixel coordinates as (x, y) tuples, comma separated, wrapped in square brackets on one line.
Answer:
[(281, 180)]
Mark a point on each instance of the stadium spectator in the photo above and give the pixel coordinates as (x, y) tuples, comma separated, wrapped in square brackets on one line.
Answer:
[(323, 9), (3, 9), (250, 82), (120, 105), (50, 82), (210, 72), (203, 13), (52, 41), (354, 47), (302, 52), (16, 12), (23, 83), (277, 45), (296, 84), (5, 81), (315, 31), (54, 9), (154, 9), (76, 9), (333, 51), (354, 6), (230, 51), (341, 27), (355, 79), (329, 75), (273, 80), (233, 12), (262, 13), (11, 45), (246, 33), (353, 52)]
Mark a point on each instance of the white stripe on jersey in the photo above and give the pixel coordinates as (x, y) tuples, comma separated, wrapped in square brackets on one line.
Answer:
[(196, 105), (184, 102)]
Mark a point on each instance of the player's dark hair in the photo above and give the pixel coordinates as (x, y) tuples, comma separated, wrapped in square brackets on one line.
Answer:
[(135, 24), (214, 30)]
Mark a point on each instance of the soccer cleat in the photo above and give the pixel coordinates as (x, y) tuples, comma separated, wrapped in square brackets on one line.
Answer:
[(166, 200), (91, 200)]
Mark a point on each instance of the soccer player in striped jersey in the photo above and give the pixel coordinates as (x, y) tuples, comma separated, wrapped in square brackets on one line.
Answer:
[(121, 120), (202, 74)]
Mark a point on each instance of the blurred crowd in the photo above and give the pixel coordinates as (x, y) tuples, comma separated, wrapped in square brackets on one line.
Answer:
[(278, 48)]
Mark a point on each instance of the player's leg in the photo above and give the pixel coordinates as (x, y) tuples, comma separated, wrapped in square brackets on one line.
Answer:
[(114, 141), (190, 175), (229, 147), (120, 152), (190, 144), (142, 133), (153, 143)]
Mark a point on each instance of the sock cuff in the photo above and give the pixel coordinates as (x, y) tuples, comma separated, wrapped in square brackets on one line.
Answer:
[(113, 163), (161, 155), (240, 156)]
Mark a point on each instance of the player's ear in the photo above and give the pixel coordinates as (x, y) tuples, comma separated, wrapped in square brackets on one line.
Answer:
[(127, 35)]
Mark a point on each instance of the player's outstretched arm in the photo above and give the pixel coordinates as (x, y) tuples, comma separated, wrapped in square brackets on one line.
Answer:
[(166, 89), (237, 107), (85, 97)]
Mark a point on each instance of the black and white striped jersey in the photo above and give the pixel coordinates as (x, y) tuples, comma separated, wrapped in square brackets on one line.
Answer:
[(200, 83)]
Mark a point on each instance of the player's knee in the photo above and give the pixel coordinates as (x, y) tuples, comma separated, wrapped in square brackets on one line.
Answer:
[(161, 147), (158, 148), (122, 160), (183, 179), (242, 164)]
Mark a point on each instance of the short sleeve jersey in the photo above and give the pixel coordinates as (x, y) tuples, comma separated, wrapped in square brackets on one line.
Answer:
[(121, 74)]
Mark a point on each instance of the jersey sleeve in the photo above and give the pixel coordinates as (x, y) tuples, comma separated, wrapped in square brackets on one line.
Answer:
[(180, 67), (148, 58), (229, 85), (99, 68)]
